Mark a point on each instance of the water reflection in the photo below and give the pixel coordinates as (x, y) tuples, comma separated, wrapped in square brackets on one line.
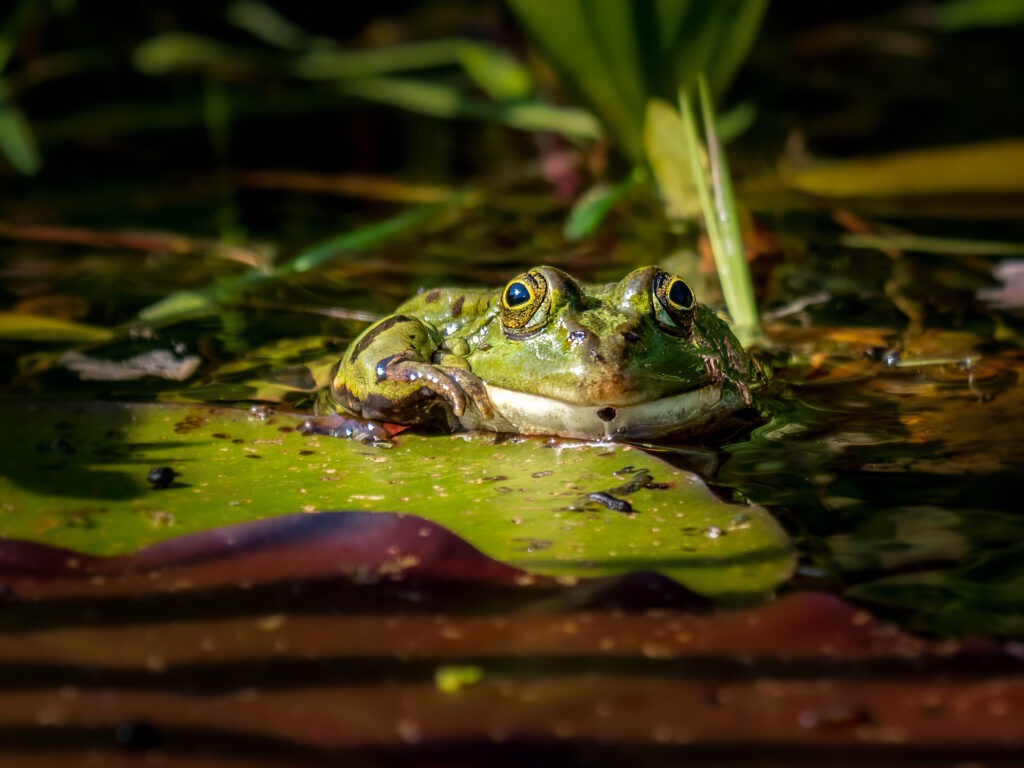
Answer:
[(900, 486)]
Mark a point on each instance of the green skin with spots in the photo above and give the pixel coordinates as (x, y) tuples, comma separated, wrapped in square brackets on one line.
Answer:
[(595, 362)]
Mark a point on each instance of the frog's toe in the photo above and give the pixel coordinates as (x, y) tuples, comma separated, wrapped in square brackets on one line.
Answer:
[(350, 427), (474, 389), (445, 385)]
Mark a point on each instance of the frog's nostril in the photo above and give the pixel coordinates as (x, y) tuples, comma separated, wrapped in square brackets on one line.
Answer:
[(631, 336), (577, 337), (606, 414)]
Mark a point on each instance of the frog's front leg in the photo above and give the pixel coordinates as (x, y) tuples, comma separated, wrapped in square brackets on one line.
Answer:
[(388, 374)]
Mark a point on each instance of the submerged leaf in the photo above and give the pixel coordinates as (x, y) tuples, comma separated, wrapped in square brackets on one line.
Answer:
[(550, 508)]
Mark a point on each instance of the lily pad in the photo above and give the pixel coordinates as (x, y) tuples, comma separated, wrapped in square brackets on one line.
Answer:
[(560, 508)]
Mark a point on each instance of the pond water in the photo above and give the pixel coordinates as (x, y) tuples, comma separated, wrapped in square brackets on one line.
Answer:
[(889, 452)]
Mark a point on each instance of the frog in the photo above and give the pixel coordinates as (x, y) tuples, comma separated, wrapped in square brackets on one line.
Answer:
[(546, 354)]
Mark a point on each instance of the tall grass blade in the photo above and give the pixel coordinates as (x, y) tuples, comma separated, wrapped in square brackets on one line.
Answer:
[(711, 176), (729, 256)]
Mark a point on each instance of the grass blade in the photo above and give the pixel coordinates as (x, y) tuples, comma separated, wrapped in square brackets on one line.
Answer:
[(714, 186), (363, 238), (204, 301)]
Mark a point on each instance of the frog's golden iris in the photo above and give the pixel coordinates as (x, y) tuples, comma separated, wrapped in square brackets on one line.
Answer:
[(675, 304), (524, 304), (640, 358)]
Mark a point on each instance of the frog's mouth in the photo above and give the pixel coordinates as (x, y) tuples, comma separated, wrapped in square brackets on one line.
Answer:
[(539, 415)]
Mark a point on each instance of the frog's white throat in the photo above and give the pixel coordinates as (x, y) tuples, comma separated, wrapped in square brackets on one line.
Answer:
[(537, 415)]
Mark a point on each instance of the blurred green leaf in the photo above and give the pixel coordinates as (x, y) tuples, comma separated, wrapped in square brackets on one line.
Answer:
[(12, 28), (499, 75), (330, 64), (563, 31), (593, 206), (524, 502), (181, 304), (447, 102), (666, 150), (267, 24), (618, 55), (17, 142), (182, 51), (360, 74), (217, 114), (735, 121), (738, 25), (20, 327), (957, 15)]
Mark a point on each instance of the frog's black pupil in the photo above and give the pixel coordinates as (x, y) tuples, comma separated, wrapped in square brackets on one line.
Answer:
[(516, 294), (680, 294)]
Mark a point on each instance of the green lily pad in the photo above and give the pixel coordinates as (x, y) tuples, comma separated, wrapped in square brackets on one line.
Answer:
[(77, 478)]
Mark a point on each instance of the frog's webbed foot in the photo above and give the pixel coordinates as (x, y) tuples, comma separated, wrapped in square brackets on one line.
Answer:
[(444, 382), (351, 427)]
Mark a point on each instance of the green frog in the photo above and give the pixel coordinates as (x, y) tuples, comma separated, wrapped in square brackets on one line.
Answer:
[(547, 355)]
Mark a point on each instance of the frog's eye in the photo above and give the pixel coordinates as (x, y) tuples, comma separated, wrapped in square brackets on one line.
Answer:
[(674, 304), (524, 304), (516, 294)]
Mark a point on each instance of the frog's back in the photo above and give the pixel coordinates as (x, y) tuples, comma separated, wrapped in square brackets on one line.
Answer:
[(448, 309)]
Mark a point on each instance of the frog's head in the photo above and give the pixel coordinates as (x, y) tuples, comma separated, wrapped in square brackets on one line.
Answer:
[(639, 358)]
